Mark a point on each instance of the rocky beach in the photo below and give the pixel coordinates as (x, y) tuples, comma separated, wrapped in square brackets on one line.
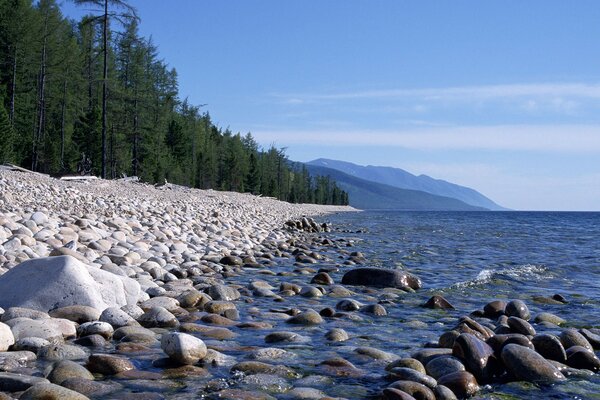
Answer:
[(123, 290)]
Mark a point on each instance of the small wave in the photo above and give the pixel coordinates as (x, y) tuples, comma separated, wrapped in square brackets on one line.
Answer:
[(527, 271)]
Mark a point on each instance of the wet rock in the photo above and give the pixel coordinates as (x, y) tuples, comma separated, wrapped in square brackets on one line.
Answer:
[(266, 382), (375, 309), (183, 348), (327, 312), (322, 278), (414, 389), (517, 308), (32, 344), (441, 366), (409, 374), (158, 317), (283, 336), (271, 353), (462, 384), (311, 292), (381, 278), (76, 313), (103, 329), (582, 358), (10, 382), (57, 352), (50, 391), (306, 393), (571, 337), (106, 364), (376, 353), (91, 341), (527, 365), (117, 318), (223, 292), (550, 347), (336, 335), (478, 357), (426, 355), (231, 260), (446, 339), (406, 363), (547, 317), (90, 388), (438, 303), (521, 326), (444, 393), (396, 394), (63, 370), (348, 305), (238, 394), (494, 309), (309, 317), (257, 367), (592, 338), (497, 342)]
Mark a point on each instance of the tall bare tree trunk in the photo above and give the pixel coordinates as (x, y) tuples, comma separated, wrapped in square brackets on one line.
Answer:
[(135, 161), (63, 113), (13, 89), (104, 88), (39, 131)]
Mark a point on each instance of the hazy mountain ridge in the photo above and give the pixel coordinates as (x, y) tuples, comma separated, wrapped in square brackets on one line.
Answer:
[(367, 195), (402, 179)]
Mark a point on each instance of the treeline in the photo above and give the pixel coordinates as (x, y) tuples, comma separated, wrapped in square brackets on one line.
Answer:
[(80, 96)]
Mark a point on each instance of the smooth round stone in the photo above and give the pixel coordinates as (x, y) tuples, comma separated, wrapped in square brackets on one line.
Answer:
[(266, 382), (406, 363), (570, 337), (306, 393), (7, 338), (124, 331), (231, 260), (444, 393), (415, 389), (519, 325), (90, 388), (548, 318), (16, 312), (336, 335), (223, 292), (91, 341), (528, 365), (271, 353), (309, 317), (216, 319), (106, 364), (10, 382), (550, 347), (437, 302), (183, 348), (167, 303), (446, 339), (257, 367), (381, 278), (283, 336), (117, 318), (66, 369), (477, 356), (396, 394), (376, 353), (48, 329), (409, 374), (322, 278), (219, 307), (441, 366), (158, 317), (103, 329), (494, 309), (497, 342), (76, 313), (426, 355), (581, 358), (238, 394), (57, 352), (192, 298), (50, 391), (32, 344), (517, 308), (463, 384), (592, 338), (348, 305), (310, 292), (375, 309)]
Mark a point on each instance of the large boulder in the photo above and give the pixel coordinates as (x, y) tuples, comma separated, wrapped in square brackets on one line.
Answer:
[(381, 278), (48, 283)]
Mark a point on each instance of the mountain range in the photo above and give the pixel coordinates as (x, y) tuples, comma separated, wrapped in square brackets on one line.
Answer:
[(373, 187)]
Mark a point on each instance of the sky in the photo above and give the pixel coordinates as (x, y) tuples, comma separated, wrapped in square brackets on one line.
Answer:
[(500, 96)]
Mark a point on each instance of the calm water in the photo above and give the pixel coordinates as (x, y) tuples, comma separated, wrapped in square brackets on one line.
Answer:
[(472, 258)]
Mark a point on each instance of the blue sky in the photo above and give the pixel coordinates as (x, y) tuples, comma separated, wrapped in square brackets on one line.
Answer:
[(501, 96)]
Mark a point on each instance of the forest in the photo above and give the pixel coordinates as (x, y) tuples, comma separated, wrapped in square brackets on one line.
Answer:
[(93, 96)]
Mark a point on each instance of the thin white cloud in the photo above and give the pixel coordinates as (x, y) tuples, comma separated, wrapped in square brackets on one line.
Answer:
[(484, 92), (538, 138)]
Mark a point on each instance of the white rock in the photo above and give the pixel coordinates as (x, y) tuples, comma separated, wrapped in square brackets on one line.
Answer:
[(6, 337), (48, 283), (183, 348)]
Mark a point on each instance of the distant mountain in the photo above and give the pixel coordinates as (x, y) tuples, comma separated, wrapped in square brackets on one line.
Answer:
[(405, 180), (366, 194)]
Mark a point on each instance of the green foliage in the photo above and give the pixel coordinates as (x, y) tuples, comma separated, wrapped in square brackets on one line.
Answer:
[(53, 78)]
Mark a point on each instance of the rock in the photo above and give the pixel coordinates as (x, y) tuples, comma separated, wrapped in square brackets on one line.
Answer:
[(158, 317), (521, 326), (381, 278), (336, 335), (271, 353), (32, 344), (348, 305), (309, 317), (497, 342), (231, 260), (63, 370), (547, 317), (376, 353), (91, 341), (592, 338), (409, 374), (571, 337), (517, 308), (414, 389), (462, 384), (219, 307), (494, 309), (322, 278), (117, 318), (426, 355), (49, 329), (106, 364), (58, 352), (581, 358), (444, 393), (283, 336), (478, 357), (527, 365), (375, 309), (439, 303), (550, 347), (20, 312), (90, 388), (257, 367), (441, 366), (167, 303), (76, 313), (183, 348), (407, 363), (47, 283), (7, 338), (50, 391), (396, 394), (10, 382), (103, 329), (306, 393)]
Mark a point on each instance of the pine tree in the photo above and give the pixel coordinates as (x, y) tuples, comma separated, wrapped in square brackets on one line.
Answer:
[(6, 135)]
